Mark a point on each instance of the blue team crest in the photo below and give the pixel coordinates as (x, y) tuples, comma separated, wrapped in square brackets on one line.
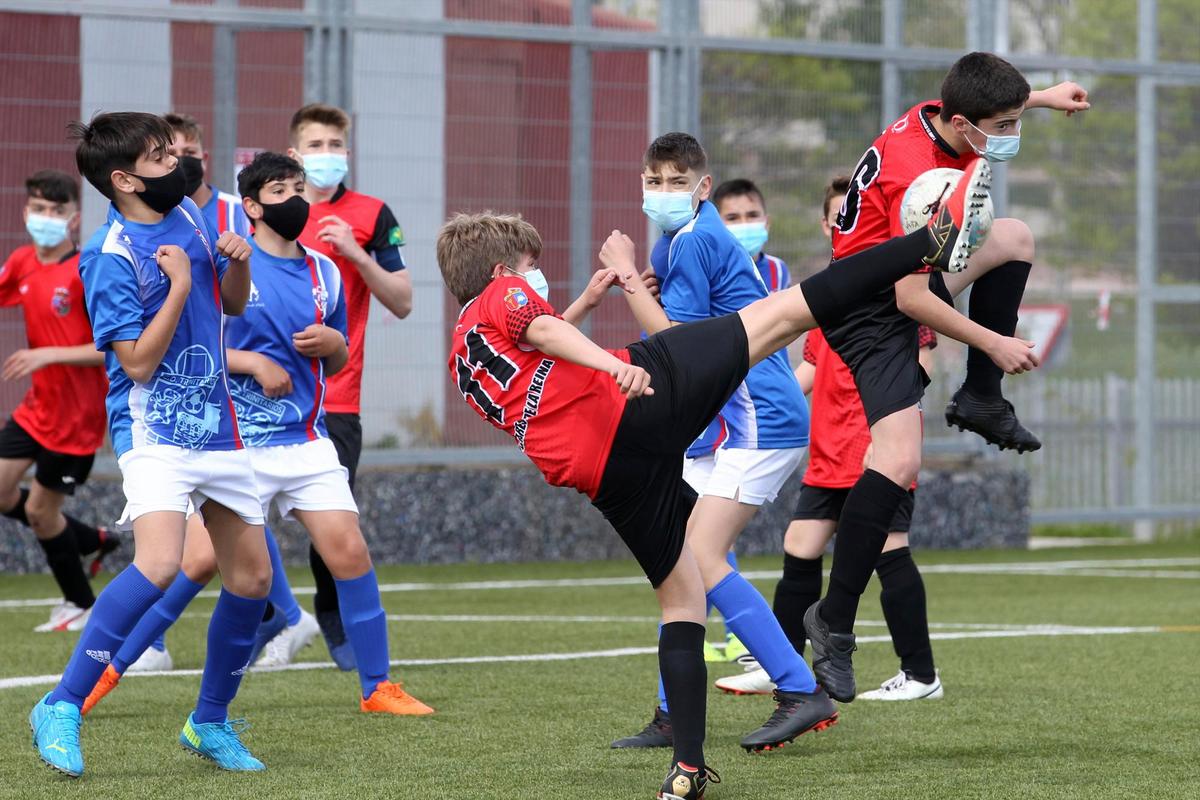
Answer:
[(321, 298), (179, 408), (260, 417), (515, 298)]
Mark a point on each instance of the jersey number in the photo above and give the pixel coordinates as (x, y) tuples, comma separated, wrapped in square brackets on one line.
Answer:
[(864, 175), (482, 356)]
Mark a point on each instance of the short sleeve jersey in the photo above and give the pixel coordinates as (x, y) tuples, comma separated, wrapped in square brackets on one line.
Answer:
[(224, 212), (774, 272), (64, 408), (562, 415), (376, 230), (286, 296), (186, 401), (709, 275)]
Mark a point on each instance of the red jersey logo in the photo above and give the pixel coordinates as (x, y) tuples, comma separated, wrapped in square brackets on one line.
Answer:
[(61, 302), (515, 297)]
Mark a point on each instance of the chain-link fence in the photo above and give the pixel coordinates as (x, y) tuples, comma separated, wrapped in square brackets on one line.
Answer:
[(545, 106)]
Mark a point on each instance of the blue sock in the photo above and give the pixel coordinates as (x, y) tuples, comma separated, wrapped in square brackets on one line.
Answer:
[(751, 620), (230, 640), (154, 623), (731, 559), (662, 689), (366, 628), (281, 591), (118, 608)]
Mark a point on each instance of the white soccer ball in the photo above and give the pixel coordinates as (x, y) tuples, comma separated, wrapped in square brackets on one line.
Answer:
[(917, 206)]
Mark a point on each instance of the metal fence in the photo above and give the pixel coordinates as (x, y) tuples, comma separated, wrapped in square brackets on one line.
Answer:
[(545, 106)]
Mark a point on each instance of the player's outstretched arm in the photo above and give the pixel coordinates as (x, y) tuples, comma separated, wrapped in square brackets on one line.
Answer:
[(273, 379), (591, 297), (235, 284), (619, 254), (27, 361), (1067, 96), (560, 339), (140, 357)]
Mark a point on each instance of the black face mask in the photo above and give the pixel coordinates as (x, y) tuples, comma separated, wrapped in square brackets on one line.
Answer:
[(193, 173), (164, 192), (287, 218)]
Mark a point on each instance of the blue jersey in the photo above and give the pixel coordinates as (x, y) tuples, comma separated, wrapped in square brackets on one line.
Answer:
[(774, 272), (186, 401), (709, 275), (224, 212), (286, 296)]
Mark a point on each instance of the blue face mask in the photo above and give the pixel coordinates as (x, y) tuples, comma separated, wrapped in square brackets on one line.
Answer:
[(751, 235), (46, 232), (998, 148), (670, 211), (536, 281), (325, 170)]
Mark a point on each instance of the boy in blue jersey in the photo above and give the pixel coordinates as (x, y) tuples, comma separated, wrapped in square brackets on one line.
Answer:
[(157, 282), (710, 274)]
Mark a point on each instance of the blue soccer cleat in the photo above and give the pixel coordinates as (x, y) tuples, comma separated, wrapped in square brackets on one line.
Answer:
[(56, 735), (219, 743), (267, 631)]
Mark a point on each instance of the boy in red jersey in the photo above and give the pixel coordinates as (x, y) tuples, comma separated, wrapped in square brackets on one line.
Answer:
[(590, 419), (982, 99), (360, 233), (59, 424)]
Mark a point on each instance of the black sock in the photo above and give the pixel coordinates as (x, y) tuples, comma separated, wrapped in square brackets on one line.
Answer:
[(843, 286), (903, 601), (17, 512), (798, 589), (995, 298), (62, 554), (87, 538), (862, 530), (326, 598), (685, 679)]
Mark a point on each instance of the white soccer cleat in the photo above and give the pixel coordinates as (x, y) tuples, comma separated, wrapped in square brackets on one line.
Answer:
[(66, 616), (291, 640), (152, 661), (755, 681), (902, 687)]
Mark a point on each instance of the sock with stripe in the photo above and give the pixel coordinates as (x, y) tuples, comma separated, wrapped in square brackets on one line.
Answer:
[(150, 629), (231, 633), (366, 628)]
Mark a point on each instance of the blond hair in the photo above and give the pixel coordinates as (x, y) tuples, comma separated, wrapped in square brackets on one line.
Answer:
[(320, 113), (469, 246), (185, 124)]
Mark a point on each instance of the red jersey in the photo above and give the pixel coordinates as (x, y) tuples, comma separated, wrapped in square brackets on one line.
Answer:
[(64, 408), (377, 232), (910, 146), (562, 415), (838, 431)]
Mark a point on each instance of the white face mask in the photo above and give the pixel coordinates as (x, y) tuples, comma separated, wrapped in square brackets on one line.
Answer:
[(997, 148), (536, 280), (670, 211)]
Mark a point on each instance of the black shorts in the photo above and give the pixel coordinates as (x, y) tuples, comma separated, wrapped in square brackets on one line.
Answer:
[(694, 369), (818, 502), (58, 472), (345, 431)]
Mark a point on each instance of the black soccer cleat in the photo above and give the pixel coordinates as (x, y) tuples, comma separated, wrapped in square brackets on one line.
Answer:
[(956, 221), (795, 714), (992, 418), (831, 656), (109, 542), (687, 783), (656, 734)]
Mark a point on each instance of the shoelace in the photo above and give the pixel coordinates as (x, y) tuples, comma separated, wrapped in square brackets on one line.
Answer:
[(933, 207), (68, 732), (710, 775), (230, 742), (892, 684)]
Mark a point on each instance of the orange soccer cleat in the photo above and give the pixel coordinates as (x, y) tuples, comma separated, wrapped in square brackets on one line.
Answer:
[(389, 698), (108, 681)]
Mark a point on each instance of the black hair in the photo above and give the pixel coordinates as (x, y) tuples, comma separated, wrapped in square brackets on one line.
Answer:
[(981, 85), (738, 187), (680, 150), (838, 186), (116, 140), (53, 185), (266, 167)]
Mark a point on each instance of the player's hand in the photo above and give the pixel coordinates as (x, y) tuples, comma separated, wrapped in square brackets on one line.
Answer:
[(650, 281), (1067, 96), (273, 379), (22, 363), (175, 264), (598, 287), (233, 247), (317, 341), (337, 233), (618, 254), (634, 381), (1013, 355)]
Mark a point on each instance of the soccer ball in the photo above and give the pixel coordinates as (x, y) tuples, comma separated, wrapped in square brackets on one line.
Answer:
[(923, 193)]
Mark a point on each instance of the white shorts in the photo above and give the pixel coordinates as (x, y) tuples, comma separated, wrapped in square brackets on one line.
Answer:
[(163, 477), (305, 476), (752, 477)]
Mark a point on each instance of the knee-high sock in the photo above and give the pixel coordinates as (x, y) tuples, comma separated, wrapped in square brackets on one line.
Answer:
[(903, 601), (681, 664), (798, 589), (17, 512), (230, 642), (86, 536), (366, 628), (281, 591), (326, 597), (62, 554), (839, 288), (118, 608), (154, 623), (731, 560), (862, 531), (995, 298), (749, 617)]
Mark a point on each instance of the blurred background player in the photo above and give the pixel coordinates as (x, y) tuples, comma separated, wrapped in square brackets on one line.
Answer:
[(59, 424), (222, 210), (360, 233)]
